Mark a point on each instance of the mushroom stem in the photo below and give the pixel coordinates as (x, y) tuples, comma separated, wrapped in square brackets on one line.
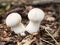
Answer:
[(34, 26), (18, 28)]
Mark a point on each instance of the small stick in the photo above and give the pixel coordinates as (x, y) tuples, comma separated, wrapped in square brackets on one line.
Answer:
[(46, 41), (52, 37)]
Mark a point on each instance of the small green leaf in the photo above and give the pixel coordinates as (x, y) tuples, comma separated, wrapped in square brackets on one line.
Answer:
[(7, 7), (0, 1), (1, 10)]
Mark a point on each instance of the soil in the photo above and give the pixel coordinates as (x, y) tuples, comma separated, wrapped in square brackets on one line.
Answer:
[(51, 22)]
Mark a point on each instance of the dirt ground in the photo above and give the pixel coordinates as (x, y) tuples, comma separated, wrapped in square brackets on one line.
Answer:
[(49, 33)]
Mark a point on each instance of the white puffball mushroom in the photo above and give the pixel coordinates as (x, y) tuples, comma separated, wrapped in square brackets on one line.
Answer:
[(13, 20), (35, 16)]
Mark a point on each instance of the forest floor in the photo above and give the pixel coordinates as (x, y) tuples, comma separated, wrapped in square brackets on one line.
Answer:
[(49, 33)]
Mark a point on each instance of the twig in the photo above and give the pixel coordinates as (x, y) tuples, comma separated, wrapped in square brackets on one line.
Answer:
[(46, 41), (52, 37), (14, 10), (56, 33)]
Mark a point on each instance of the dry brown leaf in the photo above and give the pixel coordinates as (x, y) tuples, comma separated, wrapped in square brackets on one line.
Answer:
[(49, 18), (19, 43)]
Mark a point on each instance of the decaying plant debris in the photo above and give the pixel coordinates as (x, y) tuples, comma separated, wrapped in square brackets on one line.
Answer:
[(49, 33)]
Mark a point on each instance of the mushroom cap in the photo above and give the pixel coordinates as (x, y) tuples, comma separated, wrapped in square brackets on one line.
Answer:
[(13, 19), (36, 14)]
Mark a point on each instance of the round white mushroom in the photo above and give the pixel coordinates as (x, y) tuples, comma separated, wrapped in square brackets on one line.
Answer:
[(35, 16), (13, 20)]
